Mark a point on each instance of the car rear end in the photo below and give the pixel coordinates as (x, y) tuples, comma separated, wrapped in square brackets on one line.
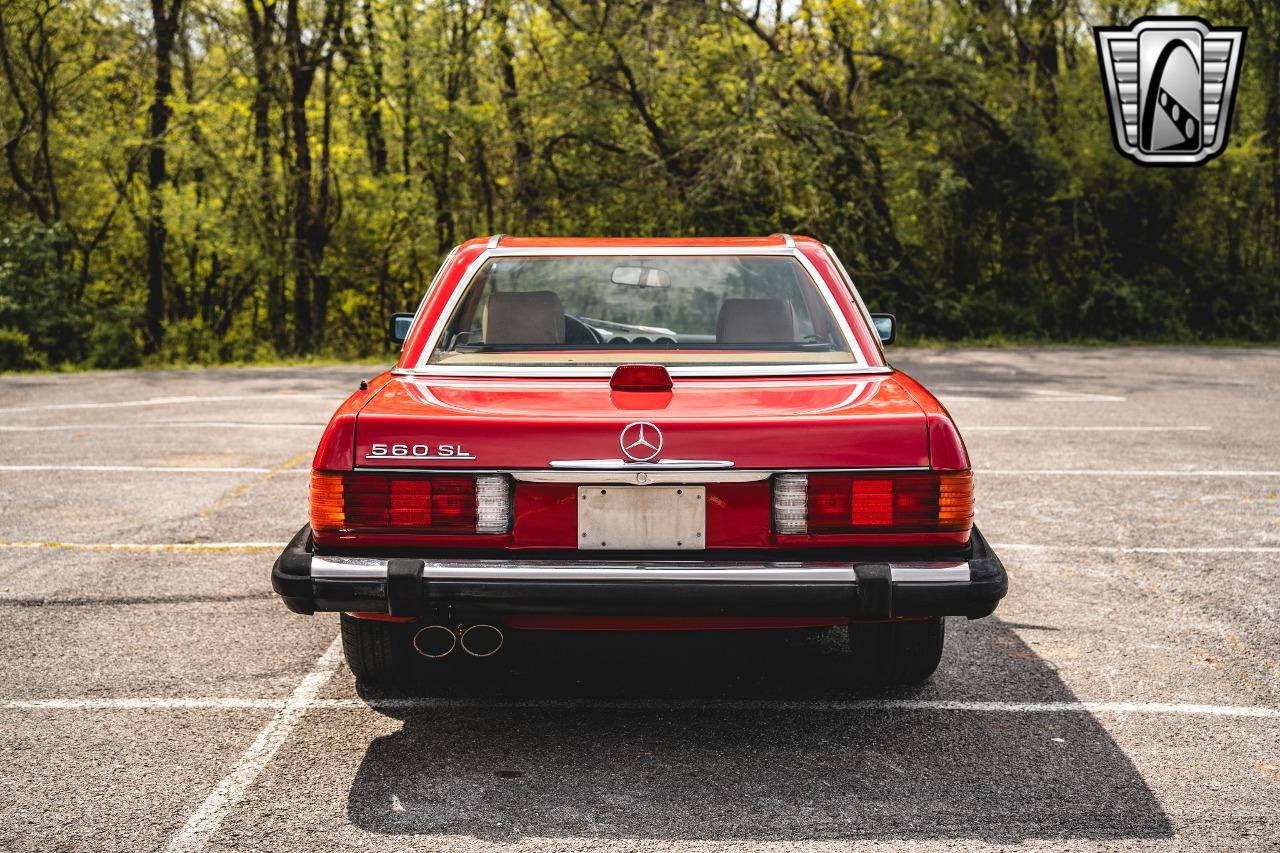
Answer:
[(625, 436)]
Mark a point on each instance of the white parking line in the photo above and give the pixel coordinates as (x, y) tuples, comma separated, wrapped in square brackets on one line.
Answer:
[(277, 730), (145, 703), (1124, 472), (1037, 429), (1014, 394), (141, 546), (1138, 549), (170, 401), (206, 819), (156, 469), (163, 425)]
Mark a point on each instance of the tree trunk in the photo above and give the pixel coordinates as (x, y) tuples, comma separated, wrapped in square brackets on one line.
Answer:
[(319, 232), (404, 32), (1271, 126), (375, 137), (263, 26), (521, 178), (165, 21), (300, 81), (310, 209)]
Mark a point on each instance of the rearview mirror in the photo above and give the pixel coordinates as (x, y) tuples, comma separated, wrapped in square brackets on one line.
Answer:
[(399, 330), (640, 277), (886, 327)]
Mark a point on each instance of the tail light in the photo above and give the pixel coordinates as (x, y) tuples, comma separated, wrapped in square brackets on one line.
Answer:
[(424, 503), (914, 502)]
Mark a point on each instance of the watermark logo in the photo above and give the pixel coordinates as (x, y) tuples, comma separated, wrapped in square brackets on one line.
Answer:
[(1170, 85)]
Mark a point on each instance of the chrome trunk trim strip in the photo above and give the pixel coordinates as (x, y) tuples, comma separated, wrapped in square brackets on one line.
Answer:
[(626, 465), (640, 475)]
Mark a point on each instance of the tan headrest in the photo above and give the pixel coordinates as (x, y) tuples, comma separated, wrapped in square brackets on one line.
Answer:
[(756, 321), (535, 317)]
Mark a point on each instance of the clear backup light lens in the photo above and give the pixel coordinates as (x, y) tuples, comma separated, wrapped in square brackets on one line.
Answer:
[(791, 503), (874, 502), (493, 503)]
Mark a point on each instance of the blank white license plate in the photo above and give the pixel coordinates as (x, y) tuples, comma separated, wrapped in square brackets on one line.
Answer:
[(612, 518)]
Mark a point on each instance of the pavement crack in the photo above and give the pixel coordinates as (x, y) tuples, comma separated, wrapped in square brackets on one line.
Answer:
[(221, 503)]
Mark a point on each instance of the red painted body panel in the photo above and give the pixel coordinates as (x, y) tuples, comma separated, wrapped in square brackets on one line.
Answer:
[(868, 420), (946, 447), (335, 451)]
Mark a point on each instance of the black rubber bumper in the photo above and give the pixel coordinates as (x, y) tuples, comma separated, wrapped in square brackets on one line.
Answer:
[(409, 590)]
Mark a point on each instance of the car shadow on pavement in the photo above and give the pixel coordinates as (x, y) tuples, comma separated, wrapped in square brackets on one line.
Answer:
[(606, 736)]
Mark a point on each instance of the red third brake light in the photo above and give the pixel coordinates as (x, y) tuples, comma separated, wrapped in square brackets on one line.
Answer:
[(888, 503), (640, 377)]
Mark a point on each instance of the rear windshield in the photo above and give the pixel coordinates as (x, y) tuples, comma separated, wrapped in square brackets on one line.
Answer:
[(721, 309)]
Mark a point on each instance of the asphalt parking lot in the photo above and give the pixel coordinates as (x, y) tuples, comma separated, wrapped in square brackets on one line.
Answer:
[(1125, 695)]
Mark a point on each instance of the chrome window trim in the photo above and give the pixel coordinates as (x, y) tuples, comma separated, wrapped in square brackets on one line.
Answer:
[(375, 568), (424, 367), (857, 297), (570, 383), (422, 303), (711, 371)]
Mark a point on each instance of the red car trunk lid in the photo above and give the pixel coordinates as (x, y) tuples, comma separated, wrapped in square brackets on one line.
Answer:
[(820, 422)]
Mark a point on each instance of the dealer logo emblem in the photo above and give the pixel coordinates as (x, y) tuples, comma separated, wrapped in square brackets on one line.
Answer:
[(641, 441), (1170, 85)]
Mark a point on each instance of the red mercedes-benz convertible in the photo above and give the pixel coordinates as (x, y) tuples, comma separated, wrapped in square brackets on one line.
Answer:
[(659, 434)]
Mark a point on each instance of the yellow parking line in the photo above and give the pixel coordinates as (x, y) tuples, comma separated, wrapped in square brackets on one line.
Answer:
[(142, 546)]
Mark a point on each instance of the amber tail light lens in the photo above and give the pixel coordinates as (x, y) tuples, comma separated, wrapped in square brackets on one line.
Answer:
[(424, 503), (915, 502)]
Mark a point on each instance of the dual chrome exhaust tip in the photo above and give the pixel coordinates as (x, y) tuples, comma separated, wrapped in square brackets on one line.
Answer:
[(439, 641)]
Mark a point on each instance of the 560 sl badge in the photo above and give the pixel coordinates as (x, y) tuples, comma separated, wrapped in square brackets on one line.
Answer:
[(417, 451)]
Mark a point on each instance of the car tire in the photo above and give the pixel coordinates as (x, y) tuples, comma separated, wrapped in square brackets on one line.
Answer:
[(378, 652), (903, 652)]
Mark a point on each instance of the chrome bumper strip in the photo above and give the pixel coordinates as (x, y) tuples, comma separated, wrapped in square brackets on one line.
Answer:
[(375, 568)]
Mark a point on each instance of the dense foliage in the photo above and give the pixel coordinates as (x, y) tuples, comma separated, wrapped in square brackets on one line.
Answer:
[(241, 179)]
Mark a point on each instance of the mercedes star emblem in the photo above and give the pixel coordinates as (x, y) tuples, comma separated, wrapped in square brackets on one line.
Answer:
[(641, 441)]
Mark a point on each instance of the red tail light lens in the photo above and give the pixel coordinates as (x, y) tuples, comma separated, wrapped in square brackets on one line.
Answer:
[(427, 503), (880, 503)]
